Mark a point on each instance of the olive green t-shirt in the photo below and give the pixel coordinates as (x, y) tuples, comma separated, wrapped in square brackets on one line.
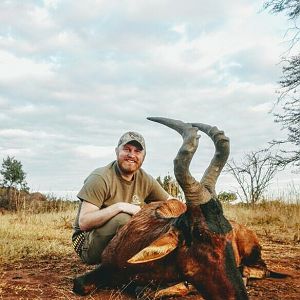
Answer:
[(105, 186)]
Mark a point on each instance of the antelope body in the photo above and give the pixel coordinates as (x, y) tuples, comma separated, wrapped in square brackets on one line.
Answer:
[(169, 242)]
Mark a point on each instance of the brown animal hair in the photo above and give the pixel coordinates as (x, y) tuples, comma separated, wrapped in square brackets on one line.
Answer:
[(168, 242)]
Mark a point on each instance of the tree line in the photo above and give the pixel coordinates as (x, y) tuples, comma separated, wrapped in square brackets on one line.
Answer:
[(14, 178)]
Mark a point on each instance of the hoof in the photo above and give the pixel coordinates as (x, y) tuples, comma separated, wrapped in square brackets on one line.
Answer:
[(81, 288)]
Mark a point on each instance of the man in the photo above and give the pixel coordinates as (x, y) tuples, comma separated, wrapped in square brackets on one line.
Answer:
[(111, 195)]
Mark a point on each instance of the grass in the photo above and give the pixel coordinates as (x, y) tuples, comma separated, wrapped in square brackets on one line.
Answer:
[(43, 228), (25, 235), (277, 220), (31, 234)]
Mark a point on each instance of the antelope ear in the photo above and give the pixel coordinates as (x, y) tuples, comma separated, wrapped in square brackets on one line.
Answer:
[(161, 247), (171, 208)]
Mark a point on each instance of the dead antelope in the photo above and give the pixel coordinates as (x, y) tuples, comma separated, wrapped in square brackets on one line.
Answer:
[(171, 242)]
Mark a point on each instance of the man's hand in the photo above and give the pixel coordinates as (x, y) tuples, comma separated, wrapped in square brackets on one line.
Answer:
[(128, 208), (91, 216)]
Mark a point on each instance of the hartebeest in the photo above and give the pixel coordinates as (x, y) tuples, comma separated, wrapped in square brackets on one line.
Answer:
[(170, 242)]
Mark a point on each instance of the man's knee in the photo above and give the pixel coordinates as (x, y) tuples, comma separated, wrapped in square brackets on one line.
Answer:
[(112, 226), (95, 243), (121, 219), (98, 239)]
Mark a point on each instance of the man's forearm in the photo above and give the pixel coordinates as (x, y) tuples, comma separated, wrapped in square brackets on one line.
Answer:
[(94, 219)]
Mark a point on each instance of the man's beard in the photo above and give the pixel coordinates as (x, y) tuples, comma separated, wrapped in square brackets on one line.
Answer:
[(127, 167)]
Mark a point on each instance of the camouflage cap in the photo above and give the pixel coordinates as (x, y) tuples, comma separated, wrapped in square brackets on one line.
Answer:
[(131, 136)]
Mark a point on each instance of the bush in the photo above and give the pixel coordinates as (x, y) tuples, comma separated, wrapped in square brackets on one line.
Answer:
[(227, 197)]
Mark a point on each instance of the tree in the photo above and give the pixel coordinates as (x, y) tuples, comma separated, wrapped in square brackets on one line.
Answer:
[(227, 197), (288, 100), (253, 175), (13, 174), (158, 179), (171, 186)]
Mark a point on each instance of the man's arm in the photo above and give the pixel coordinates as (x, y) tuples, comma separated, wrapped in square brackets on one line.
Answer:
[(91, 216)]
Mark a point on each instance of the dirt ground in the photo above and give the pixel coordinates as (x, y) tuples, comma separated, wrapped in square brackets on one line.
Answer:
[(51, 278)]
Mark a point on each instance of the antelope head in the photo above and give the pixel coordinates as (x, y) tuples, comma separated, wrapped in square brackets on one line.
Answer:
[(205, 253)]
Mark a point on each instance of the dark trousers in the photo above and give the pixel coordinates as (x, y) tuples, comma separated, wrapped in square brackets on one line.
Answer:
[(97, 239)]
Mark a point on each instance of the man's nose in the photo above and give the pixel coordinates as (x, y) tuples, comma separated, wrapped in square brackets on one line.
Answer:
[(130, 153)]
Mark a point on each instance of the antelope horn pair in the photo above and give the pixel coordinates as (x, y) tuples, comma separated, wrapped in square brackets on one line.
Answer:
[(197, 192)]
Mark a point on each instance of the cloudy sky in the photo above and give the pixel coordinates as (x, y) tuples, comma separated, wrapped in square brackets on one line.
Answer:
[(75, 75)]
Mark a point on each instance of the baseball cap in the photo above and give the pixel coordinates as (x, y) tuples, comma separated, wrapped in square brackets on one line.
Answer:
[(132, 136)]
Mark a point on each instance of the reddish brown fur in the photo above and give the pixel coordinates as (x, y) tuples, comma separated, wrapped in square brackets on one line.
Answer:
[(247, 249), (206, 261), (142, 230), (204, 256)]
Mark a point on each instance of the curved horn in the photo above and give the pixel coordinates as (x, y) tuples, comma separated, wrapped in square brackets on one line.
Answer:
[(222, 149), (195, 193)]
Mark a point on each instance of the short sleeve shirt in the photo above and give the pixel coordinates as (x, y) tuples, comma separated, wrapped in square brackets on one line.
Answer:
[(105, 186)]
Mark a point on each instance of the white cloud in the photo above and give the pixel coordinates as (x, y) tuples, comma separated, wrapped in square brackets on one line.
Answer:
[(51, 3), (24, 152), (21, 133), (179, 28), (263, 107), (75, 75), (82, 120), (40, 17), (91, 151), (13, 67), (3, 102), (27, 108), (33, 109)]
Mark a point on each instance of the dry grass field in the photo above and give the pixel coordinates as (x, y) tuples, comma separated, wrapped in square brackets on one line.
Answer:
[(37, 260)]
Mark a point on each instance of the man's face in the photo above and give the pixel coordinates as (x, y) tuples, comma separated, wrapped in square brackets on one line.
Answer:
[(130, 158)]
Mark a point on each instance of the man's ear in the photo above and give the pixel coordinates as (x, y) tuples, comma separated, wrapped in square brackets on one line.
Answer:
[(117, 150)]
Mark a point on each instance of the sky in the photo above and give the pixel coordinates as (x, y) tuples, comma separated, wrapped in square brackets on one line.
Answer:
[(75, 75)]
